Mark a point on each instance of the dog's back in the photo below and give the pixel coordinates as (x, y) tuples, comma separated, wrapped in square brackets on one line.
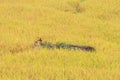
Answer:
[(85, 48), (47, 45), (74, 47)]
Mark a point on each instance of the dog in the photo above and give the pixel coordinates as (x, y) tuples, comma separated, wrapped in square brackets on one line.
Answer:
[(50, 45)]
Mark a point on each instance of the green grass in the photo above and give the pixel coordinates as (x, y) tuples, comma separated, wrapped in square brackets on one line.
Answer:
[(83, 22)]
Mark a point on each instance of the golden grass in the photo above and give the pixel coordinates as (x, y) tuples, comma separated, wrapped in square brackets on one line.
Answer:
[(83, 22)]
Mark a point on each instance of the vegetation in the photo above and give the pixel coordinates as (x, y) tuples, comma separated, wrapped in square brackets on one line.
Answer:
[(82, 22)]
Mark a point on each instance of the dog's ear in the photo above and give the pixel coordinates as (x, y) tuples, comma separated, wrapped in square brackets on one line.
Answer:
[(40, 39)]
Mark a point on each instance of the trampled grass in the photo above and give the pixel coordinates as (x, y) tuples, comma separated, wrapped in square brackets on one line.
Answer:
[(94, 23)]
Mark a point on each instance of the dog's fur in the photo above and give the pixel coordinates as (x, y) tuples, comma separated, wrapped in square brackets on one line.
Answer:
[(62, 45), (43, 44), (75, 47), (38, 42)]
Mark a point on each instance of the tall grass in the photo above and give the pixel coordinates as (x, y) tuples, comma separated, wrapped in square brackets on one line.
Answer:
[(89, 22)]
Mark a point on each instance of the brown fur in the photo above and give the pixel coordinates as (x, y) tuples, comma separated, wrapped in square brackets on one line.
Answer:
[(38, 42)]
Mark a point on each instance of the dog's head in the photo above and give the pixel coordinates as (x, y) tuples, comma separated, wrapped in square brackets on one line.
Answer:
[(38, 42)]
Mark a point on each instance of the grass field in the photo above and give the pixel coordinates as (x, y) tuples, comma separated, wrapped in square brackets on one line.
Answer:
[(83, 22)]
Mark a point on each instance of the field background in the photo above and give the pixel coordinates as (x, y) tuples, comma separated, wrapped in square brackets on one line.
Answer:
[(82, 22)]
